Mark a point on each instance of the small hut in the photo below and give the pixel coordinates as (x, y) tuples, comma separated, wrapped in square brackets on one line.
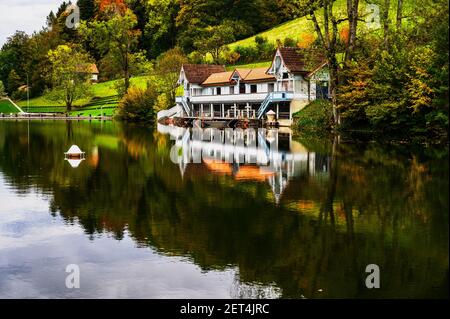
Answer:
[(74, 152)]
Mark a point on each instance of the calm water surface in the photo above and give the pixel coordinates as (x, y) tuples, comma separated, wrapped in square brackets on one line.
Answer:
[(141, 220)]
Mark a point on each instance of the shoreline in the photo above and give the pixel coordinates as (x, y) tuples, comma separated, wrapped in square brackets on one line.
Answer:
[(40, 116)]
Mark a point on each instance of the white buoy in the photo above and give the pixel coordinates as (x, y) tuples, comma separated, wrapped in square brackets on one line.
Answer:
[(74, 151)]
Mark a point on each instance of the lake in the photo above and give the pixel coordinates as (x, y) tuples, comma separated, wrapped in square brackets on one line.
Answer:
[(168, 213)]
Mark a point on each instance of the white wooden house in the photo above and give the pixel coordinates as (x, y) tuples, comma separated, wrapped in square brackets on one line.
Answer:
[(291, 82)]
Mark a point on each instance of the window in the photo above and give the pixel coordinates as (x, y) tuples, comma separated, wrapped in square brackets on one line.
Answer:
[(219, 91), (242, 88), (277, 64), (231, 89), (253, 88), (271, 87), (285, 75)]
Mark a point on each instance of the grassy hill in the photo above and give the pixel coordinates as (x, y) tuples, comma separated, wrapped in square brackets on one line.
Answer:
[(301, 28), (104, 100), (6, 107), (295, 29)]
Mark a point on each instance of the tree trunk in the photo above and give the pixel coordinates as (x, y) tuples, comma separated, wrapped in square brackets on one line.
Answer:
[(387, 4), (352, 12), (68, 103), (329, 43), (399, 14), (333, 69), (126, 68), (127, 76)]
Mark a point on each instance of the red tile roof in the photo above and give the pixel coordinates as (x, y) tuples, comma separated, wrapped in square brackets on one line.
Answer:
[(93, 68), (300, 60), (198, 73), (258, 75), (218, 78), (247, 76), (88, 68)]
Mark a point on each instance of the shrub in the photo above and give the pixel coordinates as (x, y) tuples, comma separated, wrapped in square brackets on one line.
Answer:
[(119, 86), (19, 95), (248, 54), (289, 42), (137, 105), (231, 57), (264, 47), (196, 57), (315, 117)]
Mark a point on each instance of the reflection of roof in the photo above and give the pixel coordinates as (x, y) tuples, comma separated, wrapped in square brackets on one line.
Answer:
[(198, 73), (244, 173), (218, 167), (251, 172)]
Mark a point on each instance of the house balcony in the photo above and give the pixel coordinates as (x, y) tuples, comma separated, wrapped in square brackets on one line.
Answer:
[(240, 98)]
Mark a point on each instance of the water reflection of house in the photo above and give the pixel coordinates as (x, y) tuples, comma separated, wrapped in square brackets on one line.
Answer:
[(261, 155)]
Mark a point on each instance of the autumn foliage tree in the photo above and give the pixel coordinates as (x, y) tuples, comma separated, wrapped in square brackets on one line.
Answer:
[(70, 74), (115, 37)]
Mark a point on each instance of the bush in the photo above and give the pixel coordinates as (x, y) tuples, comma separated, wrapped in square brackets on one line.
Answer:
[(119, 86), (196, 57), (247, 54), (262, 50), (137, 105), (315, 117), (289, 42), (264, 47), (19, 95)]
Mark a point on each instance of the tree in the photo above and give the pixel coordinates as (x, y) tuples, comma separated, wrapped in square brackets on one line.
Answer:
[(70, 74), (168, 69), (327, 33), (399, 14), (214, 39), (115, 37), (385, 19), (160, 30), (14, 81), (352, 13), (138, 105), (14, 56), (2, 89), (88, 9)]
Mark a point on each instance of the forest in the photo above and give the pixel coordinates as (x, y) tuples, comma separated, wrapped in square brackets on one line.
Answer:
[(392, 79)]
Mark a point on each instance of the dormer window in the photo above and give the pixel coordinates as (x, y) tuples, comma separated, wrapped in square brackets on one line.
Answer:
[(277, 64)]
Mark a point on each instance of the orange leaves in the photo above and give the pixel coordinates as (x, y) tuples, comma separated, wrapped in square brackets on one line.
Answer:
[(115, 6), (344, 34), (306, 39)]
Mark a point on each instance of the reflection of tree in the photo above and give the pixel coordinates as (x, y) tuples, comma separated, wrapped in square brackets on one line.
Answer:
[(374, 207)]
